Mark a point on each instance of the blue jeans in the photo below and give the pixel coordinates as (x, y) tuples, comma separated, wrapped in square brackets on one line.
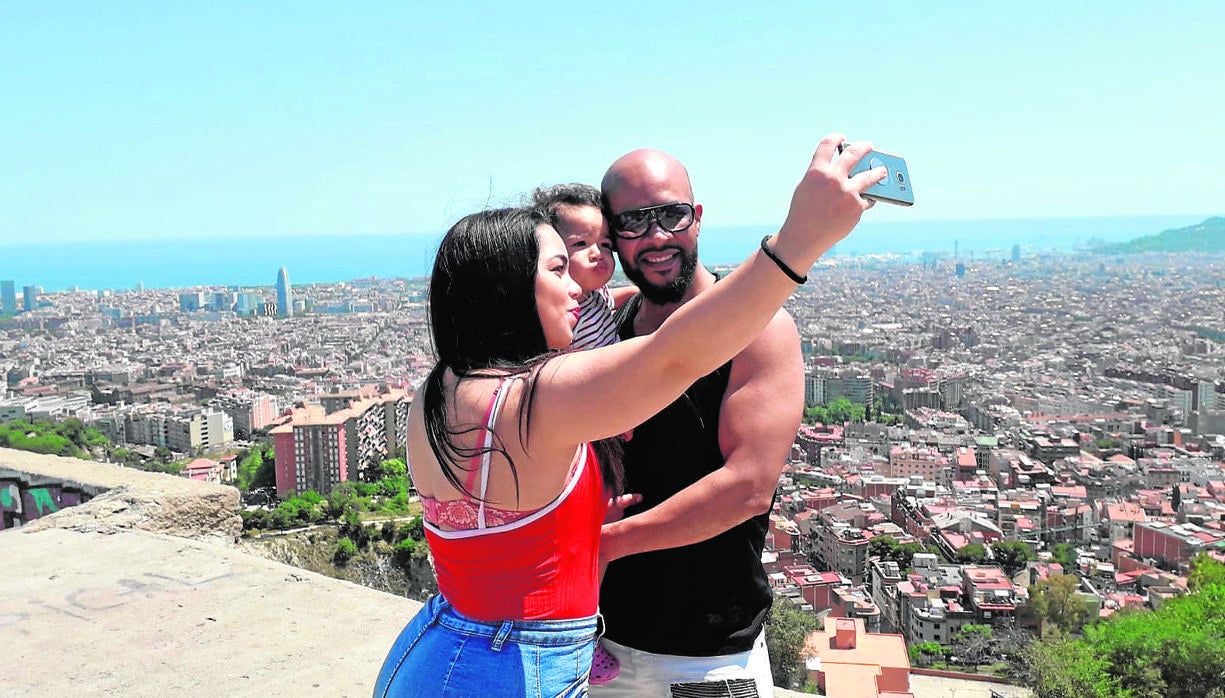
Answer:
[(442, 653)]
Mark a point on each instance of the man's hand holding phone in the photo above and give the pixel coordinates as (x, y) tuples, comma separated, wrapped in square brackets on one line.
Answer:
[(895, 187)]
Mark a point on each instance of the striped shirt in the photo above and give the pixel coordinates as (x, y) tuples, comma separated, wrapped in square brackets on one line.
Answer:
[(596, 327)]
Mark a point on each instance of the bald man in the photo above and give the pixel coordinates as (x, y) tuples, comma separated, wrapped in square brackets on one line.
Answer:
[(685, 597)]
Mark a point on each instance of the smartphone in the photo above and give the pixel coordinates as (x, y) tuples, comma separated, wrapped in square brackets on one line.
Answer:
[(895, 187)]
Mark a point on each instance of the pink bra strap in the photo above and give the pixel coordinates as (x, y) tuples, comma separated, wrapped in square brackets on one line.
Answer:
[(476, 460), (491, 417)]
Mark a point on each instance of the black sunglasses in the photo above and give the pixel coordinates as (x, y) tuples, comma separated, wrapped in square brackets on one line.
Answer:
[(673, 218)]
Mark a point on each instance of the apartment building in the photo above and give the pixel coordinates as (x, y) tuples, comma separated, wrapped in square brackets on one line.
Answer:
[(342, 438), (1173, 545), (250, 410), (311, 451), (906, 460), (377, 424), (883, 578), (823, 385), (934, 601), (180, 429)]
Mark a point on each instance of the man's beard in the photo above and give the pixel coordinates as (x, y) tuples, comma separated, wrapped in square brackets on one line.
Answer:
[(672, 292)]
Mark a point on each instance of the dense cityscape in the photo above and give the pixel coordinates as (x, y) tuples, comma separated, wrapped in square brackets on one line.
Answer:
[(1011, 421)]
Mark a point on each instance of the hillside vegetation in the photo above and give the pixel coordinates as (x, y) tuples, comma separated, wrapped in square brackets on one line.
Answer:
[(1176, 651), (1208, 236)]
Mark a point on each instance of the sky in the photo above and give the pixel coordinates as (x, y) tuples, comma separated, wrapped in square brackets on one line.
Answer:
[(138, 120)]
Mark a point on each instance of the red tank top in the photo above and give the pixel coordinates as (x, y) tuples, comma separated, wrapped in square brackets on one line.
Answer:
[(539, 567)]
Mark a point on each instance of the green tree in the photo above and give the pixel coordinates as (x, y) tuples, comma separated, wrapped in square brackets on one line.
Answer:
[(342, 500), (880, 546), (367, 489), (257, 468), (74, 431), (1177, 651), (248, 466), (1055, 602), (1011, 555), (345, 550), (123, 456), (265, 475), (973, 643), (974, 553), (816, 415), (786, 631), (888, 548), (163, 454), (256, 519), (393, 485), (160, 467), (843, 410), (1205, 571), (352, 527), (1065, 555), (925, 653), (393, 467), (414, 529), (281, 518), (1062, 668), (407, 550), (95, 438)]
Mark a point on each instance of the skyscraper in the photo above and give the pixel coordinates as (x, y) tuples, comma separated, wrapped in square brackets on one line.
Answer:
[(30, 297), (192, 301), (8, 298), (284, 300)]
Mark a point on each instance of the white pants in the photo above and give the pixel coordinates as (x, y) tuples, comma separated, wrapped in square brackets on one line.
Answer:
[(648, 675)]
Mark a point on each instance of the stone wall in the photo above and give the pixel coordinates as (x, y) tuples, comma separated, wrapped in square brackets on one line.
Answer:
[(38, 492)]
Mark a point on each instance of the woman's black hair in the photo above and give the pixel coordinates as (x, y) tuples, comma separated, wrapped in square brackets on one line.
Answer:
[(483, 318)]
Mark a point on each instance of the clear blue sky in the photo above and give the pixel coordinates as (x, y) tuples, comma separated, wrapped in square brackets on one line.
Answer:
[(158, 119)]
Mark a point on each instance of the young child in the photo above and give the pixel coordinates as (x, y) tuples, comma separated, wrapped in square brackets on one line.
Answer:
[(576, 212)]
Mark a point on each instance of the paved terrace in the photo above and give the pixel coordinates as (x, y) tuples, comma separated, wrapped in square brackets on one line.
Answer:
[(141, 591)]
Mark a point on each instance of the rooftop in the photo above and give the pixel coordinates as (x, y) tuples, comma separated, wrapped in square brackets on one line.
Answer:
[(849, 662)]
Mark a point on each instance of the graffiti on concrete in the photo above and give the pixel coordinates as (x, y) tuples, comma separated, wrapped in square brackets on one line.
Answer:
[(10, 497), (85, 603), (21, 503)]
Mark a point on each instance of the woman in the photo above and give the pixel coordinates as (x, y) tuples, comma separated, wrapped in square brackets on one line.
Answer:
[(501, 440)]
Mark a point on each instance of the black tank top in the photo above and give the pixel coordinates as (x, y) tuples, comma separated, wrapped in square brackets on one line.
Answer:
[(705, 599)]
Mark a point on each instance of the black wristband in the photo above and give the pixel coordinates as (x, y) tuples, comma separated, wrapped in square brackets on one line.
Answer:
[(799, 279)]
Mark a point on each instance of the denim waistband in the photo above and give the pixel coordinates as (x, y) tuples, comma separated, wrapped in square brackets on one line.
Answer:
[(530, 632)]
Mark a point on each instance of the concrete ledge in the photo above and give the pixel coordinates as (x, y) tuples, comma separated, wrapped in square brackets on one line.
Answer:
[(925, 686), (129, 499), (140, 591), (960, 675), (140, 614)]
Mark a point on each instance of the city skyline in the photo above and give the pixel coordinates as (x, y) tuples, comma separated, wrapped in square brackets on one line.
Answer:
[(319, 120), (191, 263)]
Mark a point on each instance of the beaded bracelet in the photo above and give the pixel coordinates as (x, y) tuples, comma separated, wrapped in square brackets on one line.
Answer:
[(799, 279)]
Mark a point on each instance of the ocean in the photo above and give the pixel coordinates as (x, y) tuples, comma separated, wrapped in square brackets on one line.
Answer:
[(254, 261)]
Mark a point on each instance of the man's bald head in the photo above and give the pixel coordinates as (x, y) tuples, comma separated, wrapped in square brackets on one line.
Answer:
[(661, 262), (645, 174)]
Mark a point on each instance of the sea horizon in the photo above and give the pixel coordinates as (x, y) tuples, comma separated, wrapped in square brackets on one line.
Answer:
[(253, 261)]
